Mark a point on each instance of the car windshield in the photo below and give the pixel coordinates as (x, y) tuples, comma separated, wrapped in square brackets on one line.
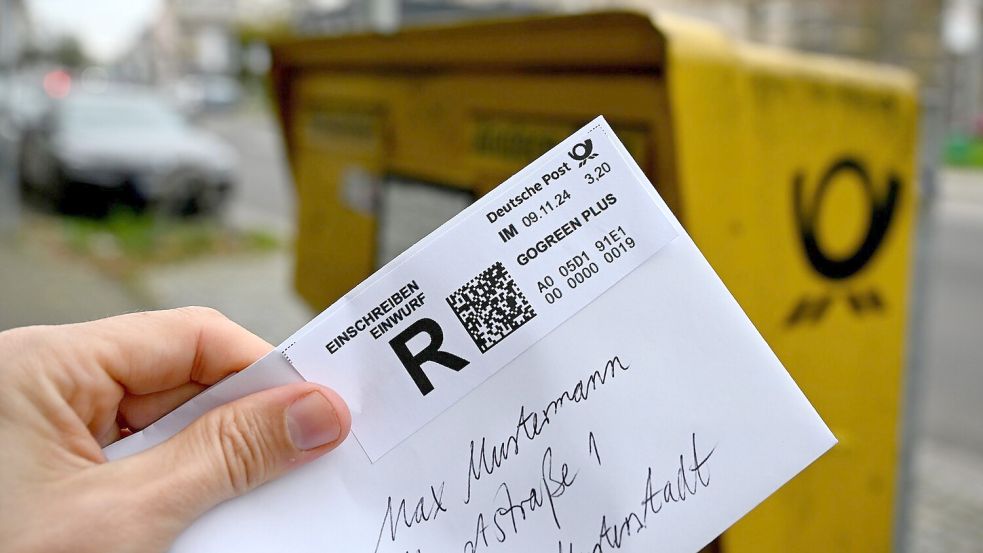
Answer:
[(118, 112)]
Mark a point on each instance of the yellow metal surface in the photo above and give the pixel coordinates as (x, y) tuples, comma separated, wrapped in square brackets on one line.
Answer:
[(843, 134), (793, 173)]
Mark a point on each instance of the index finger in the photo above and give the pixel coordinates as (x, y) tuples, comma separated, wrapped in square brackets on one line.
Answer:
[(159, 350)]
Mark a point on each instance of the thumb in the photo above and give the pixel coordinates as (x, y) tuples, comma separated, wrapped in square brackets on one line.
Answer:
[(243, 444)]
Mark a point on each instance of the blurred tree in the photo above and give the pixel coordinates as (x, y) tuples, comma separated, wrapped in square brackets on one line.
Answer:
[(68, 52)]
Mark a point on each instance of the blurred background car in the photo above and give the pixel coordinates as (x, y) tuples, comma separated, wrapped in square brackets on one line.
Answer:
[(126, 145), (23, 99)]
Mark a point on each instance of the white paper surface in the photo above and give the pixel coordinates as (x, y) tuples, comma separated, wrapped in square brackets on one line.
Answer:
[(641, 410)]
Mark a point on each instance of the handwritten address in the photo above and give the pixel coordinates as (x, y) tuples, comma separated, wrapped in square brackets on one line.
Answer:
[(515, 505)]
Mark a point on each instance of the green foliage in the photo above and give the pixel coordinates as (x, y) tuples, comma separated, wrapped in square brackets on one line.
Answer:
[(963, 151), (126, 241), (68, 52)]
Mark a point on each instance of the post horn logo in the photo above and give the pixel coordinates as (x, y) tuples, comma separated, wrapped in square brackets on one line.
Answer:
[(841, 268), (582, 152)]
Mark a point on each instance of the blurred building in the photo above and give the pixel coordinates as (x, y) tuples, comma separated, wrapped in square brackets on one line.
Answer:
[(186, 37), (311, 17), (902, 32), (15, 32), (205, 34), (964, 68), (908, 33), (15, 40), (193, 44)]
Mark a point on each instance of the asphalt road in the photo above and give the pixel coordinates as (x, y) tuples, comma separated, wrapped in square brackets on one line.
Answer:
[(264, 196)]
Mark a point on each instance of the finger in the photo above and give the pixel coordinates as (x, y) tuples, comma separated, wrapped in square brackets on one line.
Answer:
[(108, 436), (239, 446), (139, 411), (159, 350)]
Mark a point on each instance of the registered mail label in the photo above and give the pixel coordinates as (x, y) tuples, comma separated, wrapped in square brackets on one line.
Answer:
[(458, 306)]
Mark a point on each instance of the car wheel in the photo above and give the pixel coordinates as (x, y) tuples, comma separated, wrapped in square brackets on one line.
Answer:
[(208, 200), (25, 172), (191, 193)]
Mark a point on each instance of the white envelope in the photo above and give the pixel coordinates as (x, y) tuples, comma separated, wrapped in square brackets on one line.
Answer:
[(555, 369)]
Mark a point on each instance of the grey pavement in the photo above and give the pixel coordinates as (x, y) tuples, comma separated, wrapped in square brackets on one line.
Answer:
[(953, 372), (38, 287), (947, 500), (256, 291), (947, 485)]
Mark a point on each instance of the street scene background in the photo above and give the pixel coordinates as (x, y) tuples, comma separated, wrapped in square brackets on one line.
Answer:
[(228, 241)]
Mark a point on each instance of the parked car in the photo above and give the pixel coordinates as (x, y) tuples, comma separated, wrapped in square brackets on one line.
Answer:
[(23, 100), (95, 149)]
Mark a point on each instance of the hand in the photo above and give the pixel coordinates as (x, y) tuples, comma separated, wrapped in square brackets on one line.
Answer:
[(67, 391)]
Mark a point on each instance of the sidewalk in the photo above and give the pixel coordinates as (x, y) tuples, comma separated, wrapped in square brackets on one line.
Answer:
[(37, 287), (256, 290), (947, 492), (947, 500)]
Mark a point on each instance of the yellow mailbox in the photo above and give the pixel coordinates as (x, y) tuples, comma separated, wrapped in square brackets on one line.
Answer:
[(793, 173)]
